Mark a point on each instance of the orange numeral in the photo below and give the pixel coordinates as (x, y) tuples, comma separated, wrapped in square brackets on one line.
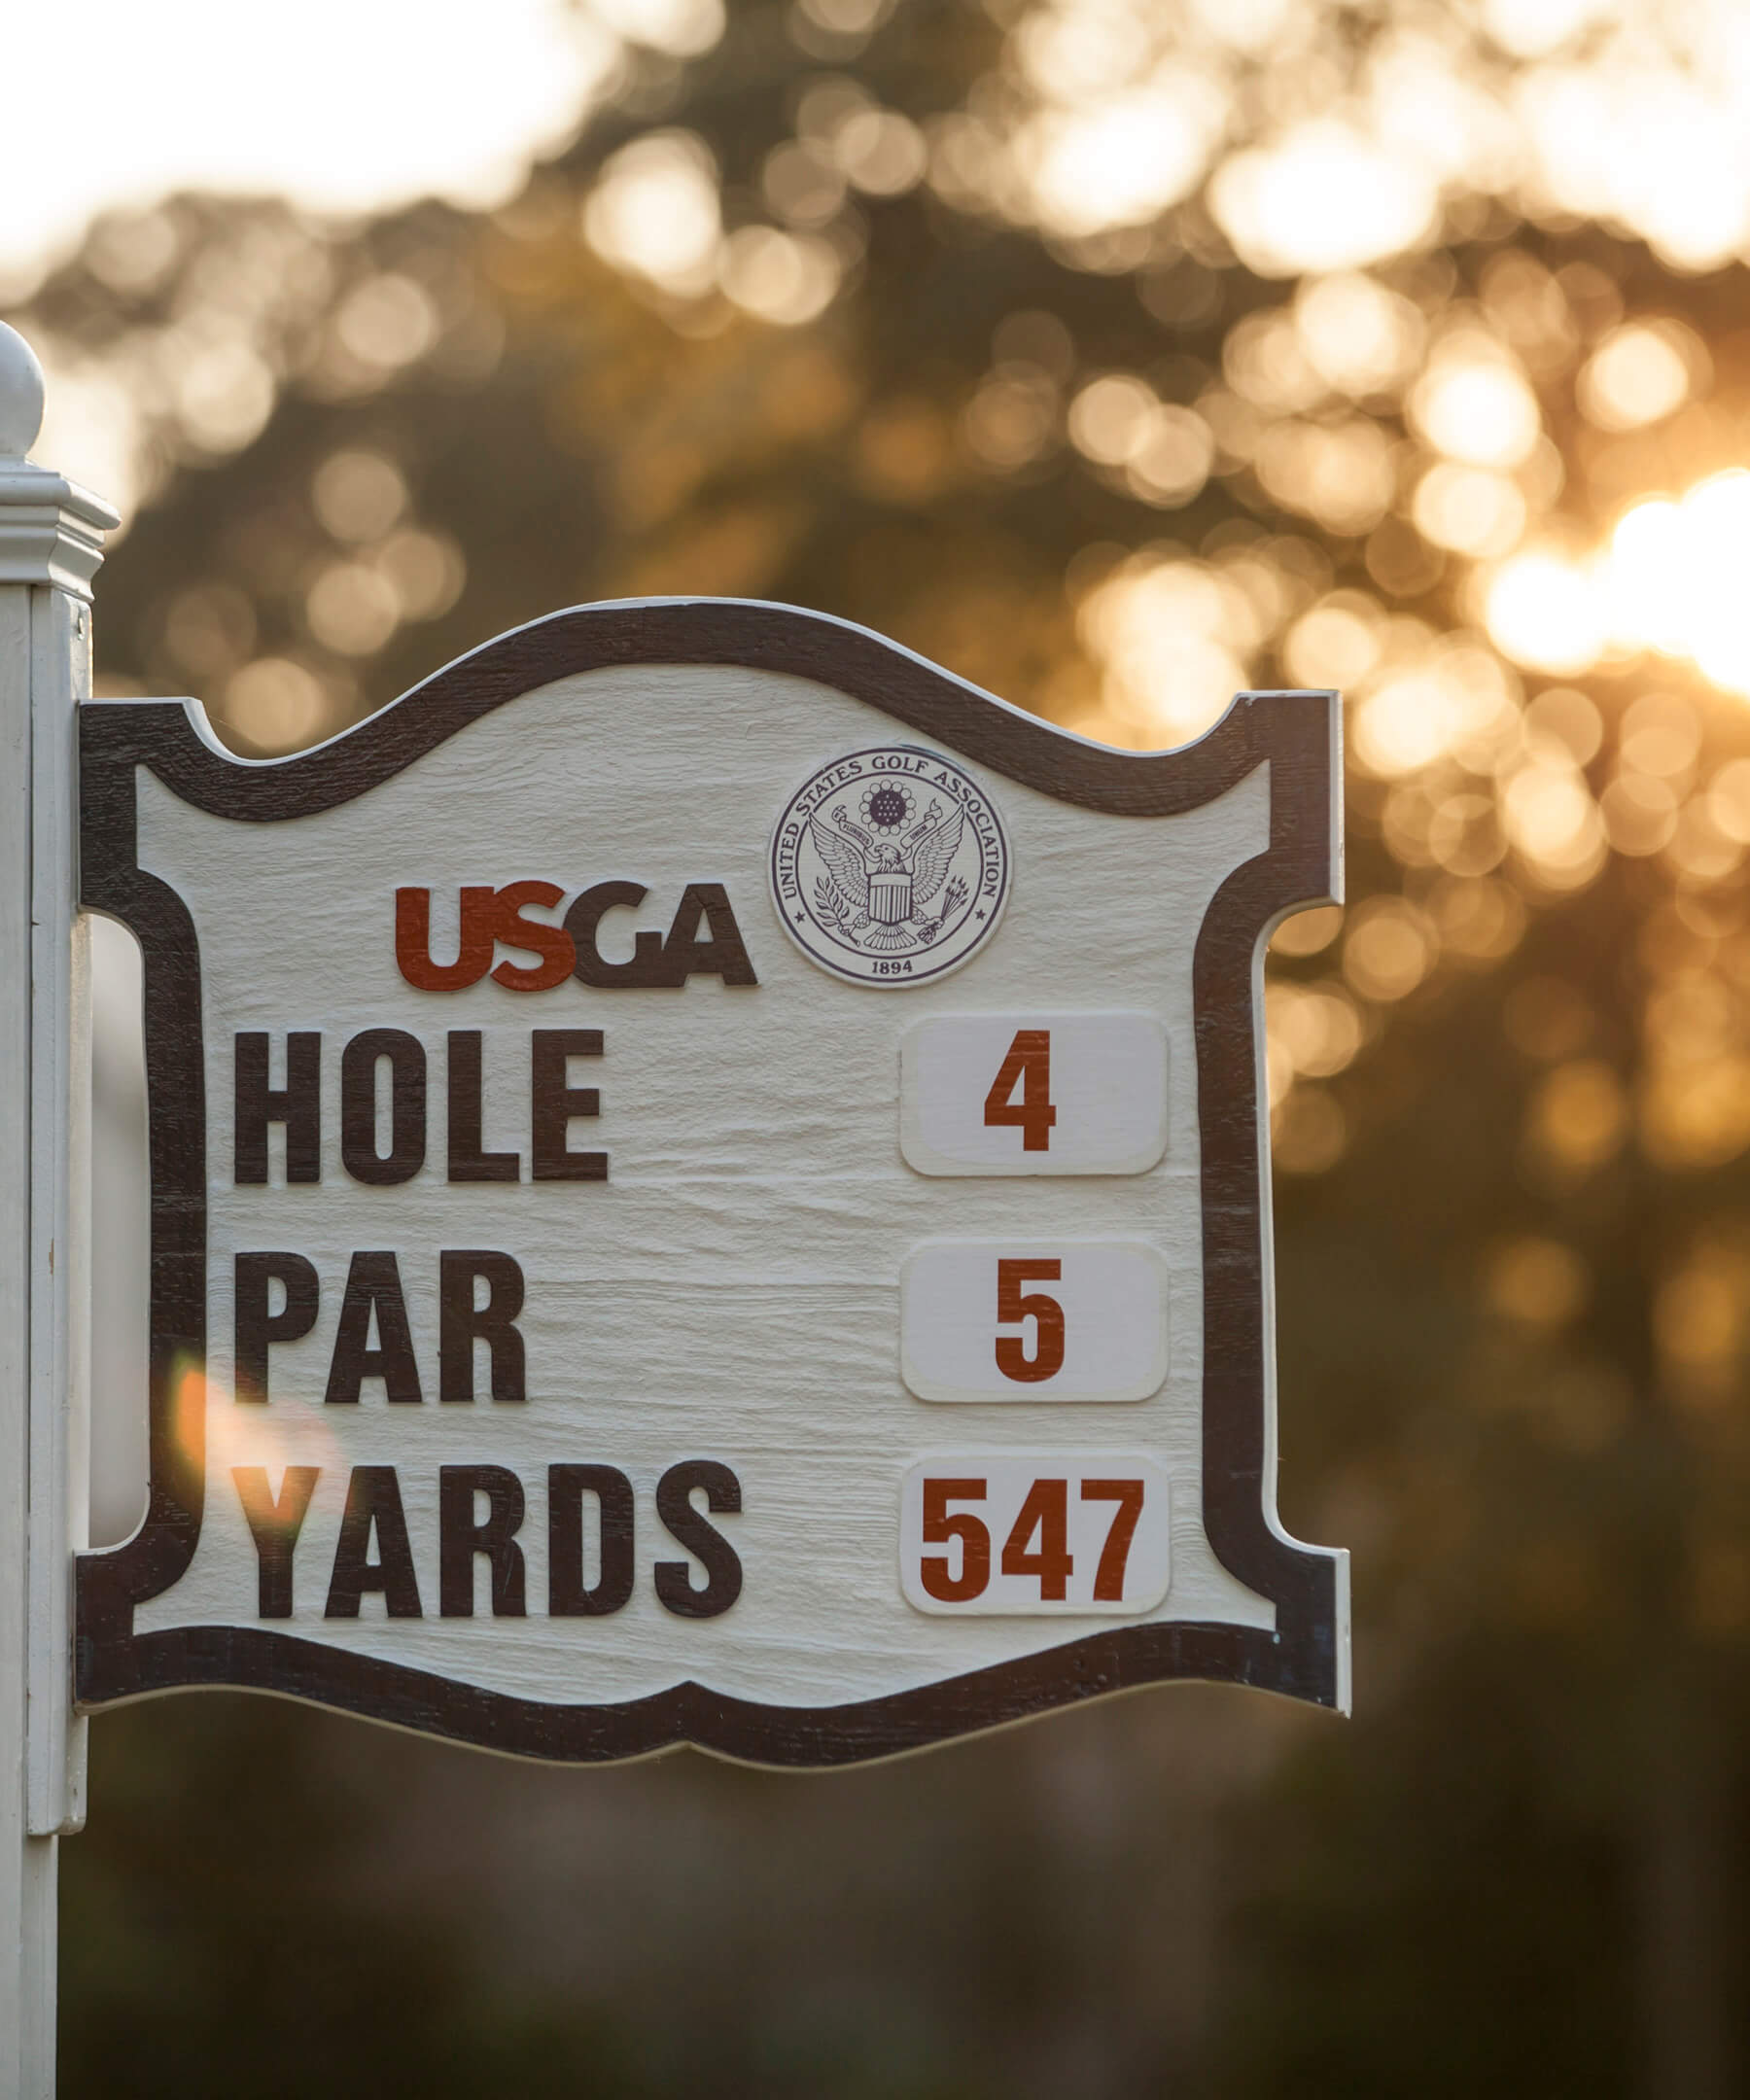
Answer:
[(1108, 1577), (1027, 1067), (1045, 1514), (1014, 1304), (939, 1527)]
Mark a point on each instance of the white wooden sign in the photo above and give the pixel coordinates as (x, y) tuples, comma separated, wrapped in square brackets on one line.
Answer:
[(708, 1183)]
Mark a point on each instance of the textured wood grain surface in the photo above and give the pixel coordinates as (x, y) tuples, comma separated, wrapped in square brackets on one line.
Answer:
[(729, 1291)]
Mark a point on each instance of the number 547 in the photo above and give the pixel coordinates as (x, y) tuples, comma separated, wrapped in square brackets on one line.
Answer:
[(1087, 1534)]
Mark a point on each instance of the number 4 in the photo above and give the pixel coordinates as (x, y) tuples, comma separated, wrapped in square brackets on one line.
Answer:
[(1044, 1516), (1027, 1067)]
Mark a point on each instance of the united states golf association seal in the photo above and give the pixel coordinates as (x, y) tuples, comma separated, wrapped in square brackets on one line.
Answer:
[(889, 866)]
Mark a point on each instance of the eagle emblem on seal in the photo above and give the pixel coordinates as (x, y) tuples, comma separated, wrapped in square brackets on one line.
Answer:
[(883, 875), (889, 865)]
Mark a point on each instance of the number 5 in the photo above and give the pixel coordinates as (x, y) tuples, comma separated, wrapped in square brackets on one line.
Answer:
[(1015, 1304), (939, 1527)]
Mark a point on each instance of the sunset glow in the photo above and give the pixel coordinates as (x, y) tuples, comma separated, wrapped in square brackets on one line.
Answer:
[(1667, 582)]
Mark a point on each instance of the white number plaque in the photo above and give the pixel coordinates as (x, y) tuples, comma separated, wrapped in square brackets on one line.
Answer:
[(1034, 1094), (1033, 1319), (1026, 1535)]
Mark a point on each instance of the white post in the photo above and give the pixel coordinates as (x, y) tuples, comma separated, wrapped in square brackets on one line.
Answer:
[(51, 543)]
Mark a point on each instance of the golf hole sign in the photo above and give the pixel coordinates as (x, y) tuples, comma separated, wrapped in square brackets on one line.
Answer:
[(709, 1184)]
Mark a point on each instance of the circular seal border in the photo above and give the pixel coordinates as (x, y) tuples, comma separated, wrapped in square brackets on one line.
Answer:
[(826, 962)]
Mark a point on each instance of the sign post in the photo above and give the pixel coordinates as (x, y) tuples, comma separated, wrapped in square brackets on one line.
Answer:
[(51, 543), (709, 1184)]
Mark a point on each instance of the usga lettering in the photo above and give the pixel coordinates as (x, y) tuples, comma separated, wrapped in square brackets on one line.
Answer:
[(703, 939)]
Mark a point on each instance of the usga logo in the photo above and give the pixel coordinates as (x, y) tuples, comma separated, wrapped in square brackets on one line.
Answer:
[(703, 939)]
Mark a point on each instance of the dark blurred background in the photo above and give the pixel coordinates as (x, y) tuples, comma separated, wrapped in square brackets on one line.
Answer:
[(1116, 353)]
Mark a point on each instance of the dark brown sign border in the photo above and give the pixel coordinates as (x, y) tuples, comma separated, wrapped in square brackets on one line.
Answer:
[(1295, 733)]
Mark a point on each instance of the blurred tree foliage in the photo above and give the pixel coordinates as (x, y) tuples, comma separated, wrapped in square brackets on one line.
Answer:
[(770, 329)]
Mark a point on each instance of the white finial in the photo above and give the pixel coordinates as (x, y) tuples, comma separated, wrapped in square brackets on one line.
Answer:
[(21, 394), (51, 529)]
